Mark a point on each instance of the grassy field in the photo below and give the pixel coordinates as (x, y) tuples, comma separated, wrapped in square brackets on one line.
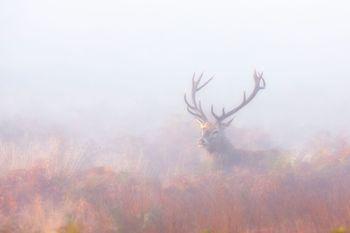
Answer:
[(50, 183)]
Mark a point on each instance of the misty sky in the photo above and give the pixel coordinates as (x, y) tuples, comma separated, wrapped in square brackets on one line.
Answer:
[(130, 61)]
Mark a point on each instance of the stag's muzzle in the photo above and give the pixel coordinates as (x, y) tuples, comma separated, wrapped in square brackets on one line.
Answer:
[(202, 142)]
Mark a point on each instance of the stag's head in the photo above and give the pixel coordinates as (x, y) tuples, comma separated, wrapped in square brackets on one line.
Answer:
[(213, 131)]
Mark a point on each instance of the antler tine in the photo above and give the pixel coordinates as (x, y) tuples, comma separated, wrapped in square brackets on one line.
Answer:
[(187, 103), (259, 80), (260, 84), (217, 117), (195, 108), (204, 84), (195, 114), (199, 79), (200, 107)]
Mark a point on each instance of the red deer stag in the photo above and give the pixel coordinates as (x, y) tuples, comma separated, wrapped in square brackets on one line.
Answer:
[(223, 154)]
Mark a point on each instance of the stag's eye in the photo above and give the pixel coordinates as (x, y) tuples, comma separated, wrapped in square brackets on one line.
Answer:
[(215, 133)]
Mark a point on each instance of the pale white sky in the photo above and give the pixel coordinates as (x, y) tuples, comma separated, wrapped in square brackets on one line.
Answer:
[(130, 60)]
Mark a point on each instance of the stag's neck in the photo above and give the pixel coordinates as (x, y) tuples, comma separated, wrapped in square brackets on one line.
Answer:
[(225, 156)]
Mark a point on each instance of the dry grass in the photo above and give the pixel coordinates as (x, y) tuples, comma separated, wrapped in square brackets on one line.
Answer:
[(131, 185)]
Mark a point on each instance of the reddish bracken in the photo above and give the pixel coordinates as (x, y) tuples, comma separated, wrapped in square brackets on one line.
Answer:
[(101, 200)]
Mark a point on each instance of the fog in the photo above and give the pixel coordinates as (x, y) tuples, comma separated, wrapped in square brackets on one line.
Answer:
[(95, 136), (98, 64)]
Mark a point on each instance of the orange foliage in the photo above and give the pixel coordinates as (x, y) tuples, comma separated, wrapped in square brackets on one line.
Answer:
[(101, 200), (310, 194)]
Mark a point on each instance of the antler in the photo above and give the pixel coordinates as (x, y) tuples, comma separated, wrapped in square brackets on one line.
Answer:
[(260, 84), (196, 108)]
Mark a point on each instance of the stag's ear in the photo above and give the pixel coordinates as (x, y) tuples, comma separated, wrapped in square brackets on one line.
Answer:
[(226, 124)]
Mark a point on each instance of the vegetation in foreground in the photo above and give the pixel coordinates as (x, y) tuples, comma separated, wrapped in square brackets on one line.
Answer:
[(69, 192)]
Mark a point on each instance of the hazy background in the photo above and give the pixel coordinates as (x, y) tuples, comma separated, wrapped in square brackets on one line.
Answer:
[(107, 65)]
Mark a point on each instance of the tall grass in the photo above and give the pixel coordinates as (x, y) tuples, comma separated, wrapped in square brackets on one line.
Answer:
[(160, 183)]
